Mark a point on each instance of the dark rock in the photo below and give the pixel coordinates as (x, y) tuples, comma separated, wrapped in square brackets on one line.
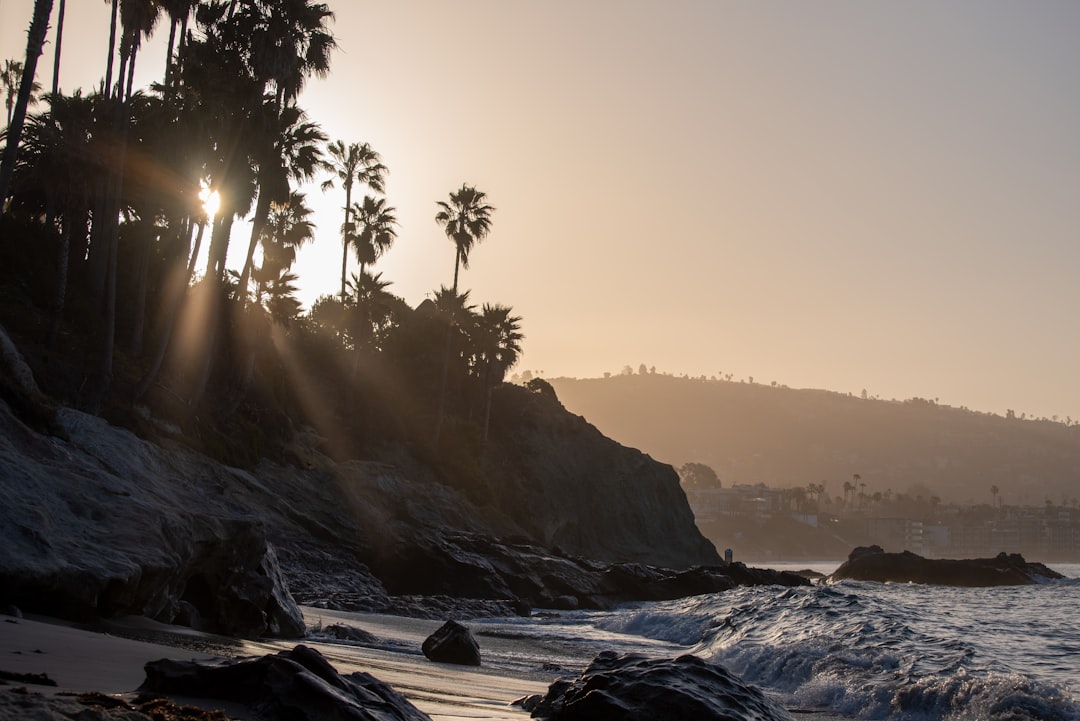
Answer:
[(491, 569), (344, 632), (558, 471), (452, 643), (296, 685), (632, 687), (37, 679), (874, 564)]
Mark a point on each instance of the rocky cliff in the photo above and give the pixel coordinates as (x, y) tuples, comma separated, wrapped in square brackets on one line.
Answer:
[(98, 521)]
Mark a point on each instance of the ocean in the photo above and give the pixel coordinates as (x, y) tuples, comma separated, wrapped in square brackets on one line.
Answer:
[(896, 652)]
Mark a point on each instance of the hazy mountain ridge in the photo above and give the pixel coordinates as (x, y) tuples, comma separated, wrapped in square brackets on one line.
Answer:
[(786, 437)]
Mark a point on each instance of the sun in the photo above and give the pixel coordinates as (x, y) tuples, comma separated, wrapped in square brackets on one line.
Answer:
[(211, 200)]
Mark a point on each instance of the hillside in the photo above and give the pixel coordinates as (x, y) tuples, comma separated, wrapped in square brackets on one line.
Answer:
[(791, 437)]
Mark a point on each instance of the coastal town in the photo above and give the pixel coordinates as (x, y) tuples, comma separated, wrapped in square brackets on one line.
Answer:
[(764, 523)]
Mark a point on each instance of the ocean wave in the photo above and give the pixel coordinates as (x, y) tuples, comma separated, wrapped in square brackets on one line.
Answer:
[(872, 651)]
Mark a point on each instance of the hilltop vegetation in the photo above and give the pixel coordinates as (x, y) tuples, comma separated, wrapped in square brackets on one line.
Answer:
[(750, 433)]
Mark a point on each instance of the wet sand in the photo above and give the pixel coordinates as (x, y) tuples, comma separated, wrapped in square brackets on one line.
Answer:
[(110, 659), (112, 662)]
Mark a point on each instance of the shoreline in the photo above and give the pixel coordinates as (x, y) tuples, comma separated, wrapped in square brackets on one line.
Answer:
[(109, 657)]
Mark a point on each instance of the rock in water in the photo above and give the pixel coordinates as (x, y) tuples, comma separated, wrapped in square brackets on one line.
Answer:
[(452, 643), (632, 687), (296, 685), (871, 563)]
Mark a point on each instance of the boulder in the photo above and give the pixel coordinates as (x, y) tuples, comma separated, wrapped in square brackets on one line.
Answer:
[(103, 524), (632, 687), (452, 643), (872, 563), (296, 685)]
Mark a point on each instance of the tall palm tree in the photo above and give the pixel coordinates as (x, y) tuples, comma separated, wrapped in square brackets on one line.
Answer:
[(138, 18), (291, 151), (467, 221), (289, 41), (35, 41), (373, 230), (355, 163), (178, 11), (288, 228)]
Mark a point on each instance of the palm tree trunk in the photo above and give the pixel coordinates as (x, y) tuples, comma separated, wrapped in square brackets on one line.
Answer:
[(107, 90), (345, 240), (169, 55), (262, 210), (446, 355), (63, 252), (59, 47), (195, 250), (138, 324), (35, 42)]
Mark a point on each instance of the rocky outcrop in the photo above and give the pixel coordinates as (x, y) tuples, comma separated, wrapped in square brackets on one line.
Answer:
[(485, 568), (571, 487), (452, 643), (106, 524), (632, 687), (874, 564), (296, 685), (100, 522)]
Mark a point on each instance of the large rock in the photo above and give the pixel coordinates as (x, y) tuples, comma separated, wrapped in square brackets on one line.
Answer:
[(296, 685), (874, 564), (571, 487), (452, 643), (632, 687), (487, 568), (106, 524)]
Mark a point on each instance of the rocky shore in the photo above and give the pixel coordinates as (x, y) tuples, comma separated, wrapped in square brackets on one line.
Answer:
[(99, 522)]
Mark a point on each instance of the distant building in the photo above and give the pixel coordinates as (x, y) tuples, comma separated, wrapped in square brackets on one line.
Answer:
[(896, 534)]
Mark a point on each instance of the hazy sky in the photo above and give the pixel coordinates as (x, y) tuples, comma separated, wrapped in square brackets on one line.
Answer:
[(829, 194)]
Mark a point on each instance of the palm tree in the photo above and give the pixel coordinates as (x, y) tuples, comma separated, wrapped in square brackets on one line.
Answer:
[(289, 41), (288, 228), (292, 152), (35, 41), (372, 311), (10, 77), (499, 344), (373, 230), (467, 221), (178, 11), (994, 491), (57, 162), (355, 163), (138, 18)]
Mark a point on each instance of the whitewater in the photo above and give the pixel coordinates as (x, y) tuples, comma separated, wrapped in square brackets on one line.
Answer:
[(896, 652)]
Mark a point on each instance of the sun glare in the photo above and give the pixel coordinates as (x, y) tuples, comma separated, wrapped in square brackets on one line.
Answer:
[(211, 201)]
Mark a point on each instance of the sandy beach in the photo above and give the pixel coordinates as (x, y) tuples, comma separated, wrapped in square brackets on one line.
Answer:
[(111, 661)]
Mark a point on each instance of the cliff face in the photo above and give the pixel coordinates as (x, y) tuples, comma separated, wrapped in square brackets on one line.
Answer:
[(585, 493), (102, 522)]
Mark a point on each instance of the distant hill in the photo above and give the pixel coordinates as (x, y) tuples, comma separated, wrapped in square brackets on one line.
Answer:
[(787, 437)]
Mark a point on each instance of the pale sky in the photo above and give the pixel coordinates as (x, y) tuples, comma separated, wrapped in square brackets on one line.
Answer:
[(830, 194)]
